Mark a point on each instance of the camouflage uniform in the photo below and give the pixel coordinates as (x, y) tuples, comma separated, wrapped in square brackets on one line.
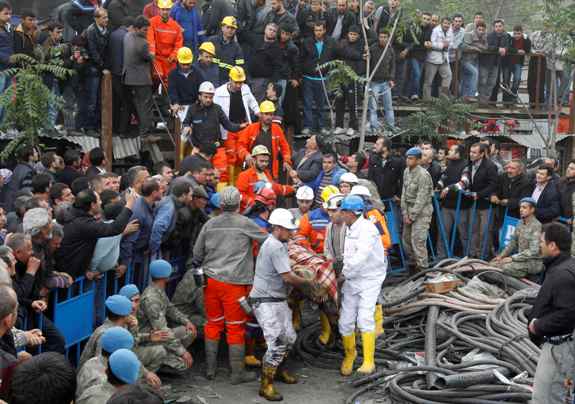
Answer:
[(416, 204), (91, 374), (92, 347), (156, 312), (97, 394), (189, 299), (525, 240), (152, 356)]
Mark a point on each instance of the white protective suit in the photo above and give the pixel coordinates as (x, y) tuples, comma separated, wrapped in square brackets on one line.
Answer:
[(364, 270)]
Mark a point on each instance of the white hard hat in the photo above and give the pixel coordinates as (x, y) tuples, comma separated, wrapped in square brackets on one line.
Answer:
[(304, 193), (207, 87), (333, 202), (284, 218), (360, 190), (350, 178)]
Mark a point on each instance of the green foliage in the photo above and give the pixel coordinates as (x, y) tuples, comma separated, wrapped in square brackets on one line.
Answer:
[(27, 100), (442, 116), (339, 74)]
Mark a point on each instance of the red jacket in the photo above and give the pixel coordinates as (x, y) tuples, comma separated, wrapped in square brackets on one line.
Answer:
[(247, 137), (245, 184)]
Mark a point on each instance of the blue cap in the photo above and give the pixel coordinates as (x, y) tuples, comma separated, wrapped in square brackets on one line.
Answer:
[(215, 200), (530, 200), (160, 269), (124, 364), (130, 290), (353, 203), (116, 338), (259, 185), (413, 152), (119, 305)]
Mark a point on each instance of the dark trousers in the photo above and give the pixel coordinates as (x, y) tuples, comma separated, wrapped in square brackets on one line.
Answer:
[(313, 94), (54, 339), (122, 106), (537, 69), (142, 98), (89, 101), (349, 97)]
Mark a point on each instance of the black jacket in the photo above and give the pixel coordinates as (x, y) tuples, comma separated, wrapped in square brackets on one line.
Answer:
[(414, 42), (289, 67), (386, 70), (386, 19), (352, 55), (184, 90), (265, 61), (434, 169), (205, 123), (554, 307), (120, 9), (346, 23), (494, 42), (309, 169), (566, 187), (80, 237), (309, 59), (97, 44), (386, 174), (549, 205), (513, 189), (306, 20), (68, 175), (450, 176), (484, 183)]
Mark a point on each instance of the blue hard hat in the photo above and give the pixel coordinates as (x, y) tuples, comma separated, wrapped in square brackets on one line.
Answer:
[(215, 200), (160, 269), (130, 290), (119, 305), (116, 338), (413, 152), (353, 203), (529, 200), (124, 364)]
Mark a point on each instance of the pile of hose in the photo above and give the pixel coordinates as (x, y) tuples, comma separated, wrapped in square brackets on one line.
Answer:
[(474, 337)]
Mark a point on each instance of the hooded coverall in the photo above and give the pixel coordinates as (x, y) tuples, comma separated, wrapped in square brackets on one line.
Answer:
[(164, 40)]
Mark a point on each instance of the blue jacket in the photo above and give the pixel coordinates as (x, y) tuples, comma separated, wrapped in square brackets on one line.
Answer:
[(134, 246), (337, 172), (191, 23), (183, 90), (264, 224), (209, 73), (318, 218), (6, 48), (162, 222)]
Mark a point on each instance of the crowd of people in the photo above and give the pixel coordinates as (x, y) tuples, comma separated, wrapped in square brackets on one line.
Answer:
[(255, 51)]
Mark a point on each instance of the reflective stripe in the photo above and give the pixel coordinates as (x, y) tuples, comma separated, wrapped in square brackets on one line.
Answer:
[(239, 62), (253, 325), (217, 319), (166, 31), (201, 32), (216, 61), (236, 322)]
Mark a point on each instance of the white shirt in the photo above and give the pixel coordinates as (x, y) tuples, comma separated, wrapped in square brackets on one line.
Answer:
[(538, 191)]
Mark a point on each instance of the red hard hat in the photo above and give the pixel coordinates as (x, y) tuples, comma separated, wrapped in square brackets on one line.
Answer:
[(267, 196)]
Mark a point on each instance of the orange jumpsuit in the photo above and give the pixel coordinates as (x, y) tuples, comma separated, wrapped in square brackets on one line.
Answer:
[(245, 184), (375, 217), (164, 40), (313, 229)]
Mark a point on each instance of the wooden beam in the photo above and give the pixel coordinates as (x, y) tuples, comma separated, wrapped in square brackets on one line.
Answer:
[(178, 143), (106, 131)]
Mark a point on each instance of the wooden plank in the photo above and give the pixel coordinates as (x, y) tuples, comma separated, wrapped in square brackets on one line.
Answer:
[(106, 131)]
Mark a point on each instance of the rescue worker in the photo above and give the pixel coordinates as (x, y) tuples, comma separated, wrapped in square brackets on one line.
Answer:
[(228, 51), (156, 312), (205, 65), (346, 182), (304, 198), (165, 37), (313, 225), (238, 103), (223, 250), (521, 257), (267, 133), (268, 298), (264, 203), (364, 270), (416, 209), (202, 124), (183, 82), (259, 171)]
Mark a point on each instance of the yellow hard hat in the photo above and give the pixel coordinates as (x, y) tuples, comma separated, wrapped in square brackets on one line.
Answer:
[(208, 47), (165, 4), (328, 192), (237, 74), (185, 56), (259, 150), (267, 107), (230, 21)]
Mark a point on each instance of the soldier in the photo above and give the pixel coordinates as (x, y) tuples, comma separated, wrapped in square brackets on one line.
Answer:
[(416, 209), (189, 299), (525, 241), (94, 370), (156, 312)]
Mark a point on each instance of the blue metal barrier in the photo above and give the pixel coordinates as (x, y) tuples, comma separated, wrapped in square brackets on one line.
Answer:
[(393, 219)]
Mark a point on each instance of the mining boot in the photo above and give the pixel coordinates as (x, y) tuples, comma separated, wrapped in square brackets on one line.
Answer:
[(239, 375), (350, 354), (325, 328), (211, 358), (378, 320), (284, 376), (250, 358), (368, 342), (267, 389)]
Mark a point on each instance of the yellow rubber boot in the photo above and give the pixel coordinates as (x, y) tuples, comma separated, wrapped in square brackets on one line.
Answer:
[(267, 389), (325, 328), (250, 359), (350, 354), (368, 342), (378, 320), (296, 314)]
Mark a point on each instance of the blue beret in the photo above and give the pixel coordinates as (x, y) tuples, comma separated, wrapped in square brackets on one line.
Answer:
[(119, 305), (130, 290), (529, 200), (414, 151), (124, 364), (116, 338), (215, 200), (160, 269)]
